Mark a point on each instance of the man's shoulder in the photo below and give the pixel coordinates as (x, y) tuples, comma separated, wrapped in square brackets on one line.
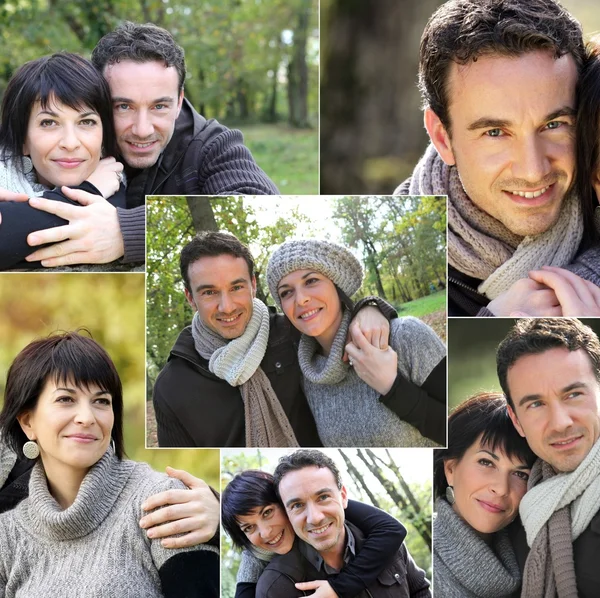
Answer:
[(281, 574)]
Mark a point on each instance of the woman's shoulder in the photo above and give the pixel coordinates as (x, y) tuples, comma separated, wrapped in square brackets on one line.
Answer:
[(14, 179), (145, 481), (408, 330)]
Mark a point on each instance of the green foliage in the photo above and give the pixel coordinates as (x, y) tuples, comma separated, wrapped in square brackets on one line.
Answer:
[(424, 305)]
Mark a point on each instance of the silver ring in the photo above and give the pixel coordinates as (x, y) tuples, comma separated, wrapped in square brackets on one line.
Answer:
[(350, 362), (119, 176)]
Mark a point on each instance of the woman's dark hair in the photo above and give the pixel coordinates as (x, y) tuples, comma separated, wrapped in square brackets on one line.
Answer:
[(68, 357), (484, 415), (66, 77), (587, 133), (246, 491)]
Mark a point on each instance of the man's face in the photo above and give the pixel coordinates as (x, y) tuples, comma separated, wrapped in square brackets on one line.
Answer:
[(222, 293), (512, 135), (315, 506), (146, 103), (556, 397)]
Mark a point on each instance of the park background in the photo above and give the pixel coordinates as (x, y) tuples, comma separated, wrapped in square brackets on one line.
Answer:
[(472, 344), (251, 64), (111, 307), (372, 132), (397, 481), (401, 245)]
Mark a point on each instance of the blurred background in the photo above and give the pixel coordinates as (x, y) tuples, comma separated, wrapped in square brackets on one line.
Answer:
[(397, 481), (372, 132), (402, 246), (252, 65), (111, 307), (472, 344)]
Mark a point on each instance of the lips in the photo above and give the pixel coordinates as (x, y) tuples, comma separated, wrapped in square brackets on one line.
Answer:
[(319, 531), (228, 320), (566, 444), (534, 198), (84, 438), (276, 539), (141, 146), (490, 507), (309, 314), (68, 162)]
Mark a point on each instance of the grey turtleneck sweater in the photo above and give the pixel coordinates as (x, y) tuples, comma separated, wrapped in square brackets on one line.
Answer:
[(464, 566), (348, 412), (95, 548)]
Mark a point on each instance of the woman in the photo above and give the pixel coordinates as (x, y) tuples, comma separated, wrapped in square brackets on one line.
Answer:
[(394, 397), (479, 481), (257, 524), (56, 123), (63, 402)]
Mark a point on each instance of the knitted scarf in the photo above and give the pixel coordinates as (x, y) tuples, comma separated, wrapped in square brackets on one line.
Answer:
[(464, 565), (238, 362), (333, 370), (555, 511), (7, 461), (481, 246)]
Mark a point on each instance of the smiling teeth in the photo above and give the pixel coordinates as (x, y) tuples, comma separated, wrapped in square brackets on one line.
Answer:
[(530, 194), (565, 441), (229, 319), (308, 314), (319, 530), (275, 540), (142, 145)]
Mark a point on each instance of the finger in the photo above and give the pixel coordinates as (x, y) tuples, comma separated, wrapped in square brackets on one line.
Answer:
[(187, 540), (586, 290), (6, 195), (174, 496), (376, 339), (565, 292), (187, 478), (352, 351), (173, 528), (82, 197), (310, 585), (359, 339), (58, 208), (58, 250)]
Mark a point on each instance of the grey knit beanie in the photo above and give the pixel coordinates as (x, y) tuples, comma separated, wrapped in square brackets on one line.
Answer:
[(331, 260)]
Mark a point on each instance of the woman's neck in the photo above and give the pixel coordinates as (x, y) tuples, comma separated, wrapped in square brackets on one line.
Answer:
[(326, 338), (64, 482)]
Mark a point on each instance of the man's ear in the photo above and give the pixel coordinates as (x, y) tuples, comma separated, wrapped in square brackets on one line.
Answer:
[(190, 300), (515, 421), (179, 101), (439, 136), (344, 494), (449, 465), (253, 286)]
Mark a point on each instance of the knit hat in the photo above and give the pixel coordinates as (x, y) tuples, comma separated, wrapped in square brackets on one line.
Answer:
[(333, 261)]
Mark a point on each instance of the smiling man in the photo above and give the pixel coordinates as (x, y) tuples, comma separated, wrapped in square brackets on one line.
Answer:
[(498, 83), (549, 369), (310, 488), (168, 149)]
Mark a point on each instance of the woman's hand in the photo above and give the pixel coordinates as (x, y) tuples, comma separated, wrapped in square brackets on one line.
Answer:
[(377, 367), (529, 296), (107, 176), (193, 512), (322, 587)]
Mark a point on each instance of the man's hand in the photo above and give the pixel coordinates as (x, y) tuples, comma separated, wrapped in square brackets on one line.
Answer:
[(322, 587), (578, 297), (526, 295), (93, 235), (6, 195), (374, 326), (377, 367), (107, 176), (193, 512)]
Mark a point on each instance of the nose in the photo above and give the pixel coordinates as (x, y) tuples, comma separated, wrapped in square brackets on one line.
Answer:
[(226, 304), (499, 484), (301, 297), (313, 515), (84, 414), (142, 125), (264, 530), (560, 418), (69, 140), (532, 162)]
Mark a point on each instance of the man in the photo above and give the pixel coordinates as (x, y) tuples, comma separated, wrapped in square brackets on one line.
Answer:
[(168, 149), (232, 378), (310, 488), (499, 97), (549, 369)]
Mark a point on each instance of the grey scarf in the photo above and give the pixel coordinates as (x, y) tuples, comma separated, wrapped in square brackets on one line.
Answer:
[(238, 362)]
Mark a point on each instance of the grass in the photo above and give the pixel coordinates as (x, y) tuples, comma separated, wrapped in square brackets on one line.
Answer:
[(289, 156), (424, 305)]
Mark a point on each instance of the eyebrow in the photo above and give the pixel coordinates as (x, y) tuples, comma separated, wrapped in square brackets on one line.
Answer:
[(55, 114), (163, 100), (496, 458), (203, 287), (537, 397), (303, 278), (317, 493), (487, 122), (74, 391)]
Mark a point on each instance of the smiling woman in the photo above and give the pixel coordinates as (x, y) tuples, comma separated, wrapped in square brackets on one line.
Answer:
[(55, 127)]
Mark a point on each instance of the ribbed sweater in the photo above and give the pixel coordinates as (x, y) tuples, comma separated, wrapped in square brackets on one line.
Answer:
[(350, 414), (95, 548), (464, 566)]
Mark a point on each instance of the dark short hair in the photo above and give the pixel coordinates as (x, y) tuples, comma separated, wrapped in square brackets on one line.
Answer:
[(248, 490), (68, 357), (65, 77), (461, 31), (212, 244), (484, 415), (532, 336), (140, 43), (587, 133), (305, 458)]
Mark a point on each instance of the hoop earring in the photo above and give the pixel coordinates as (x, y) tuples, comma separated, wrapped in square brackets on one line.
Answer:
[(31, 449), (450, 495)]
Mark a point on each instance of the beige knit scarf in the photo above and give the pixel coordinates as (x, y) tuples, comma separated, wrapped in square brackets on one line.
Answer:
[(481, 246), (238, 362), (555, 511)]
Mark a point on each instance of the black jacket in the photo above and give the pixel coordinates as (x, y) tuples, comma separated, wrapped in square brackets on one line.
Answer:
[(16, 486), (463, 298), (401, 579), (196, 408)]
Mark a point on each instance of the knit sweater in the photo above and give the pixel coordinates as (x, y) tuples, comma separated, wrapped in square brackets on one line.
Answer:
[(350, 412), (587, 265), (464, 566), (95, 548)]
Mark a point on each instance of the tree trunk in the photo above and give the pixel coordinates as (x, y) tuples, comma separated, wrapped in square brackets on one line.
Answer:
[(202, 214), (298, 71)]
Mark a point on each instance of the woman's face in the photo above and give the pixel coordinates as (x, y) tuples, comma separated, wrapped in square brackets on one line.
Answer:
[(268, 528), (488, 487), (71, 425), (310, 301), (65, 145)]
